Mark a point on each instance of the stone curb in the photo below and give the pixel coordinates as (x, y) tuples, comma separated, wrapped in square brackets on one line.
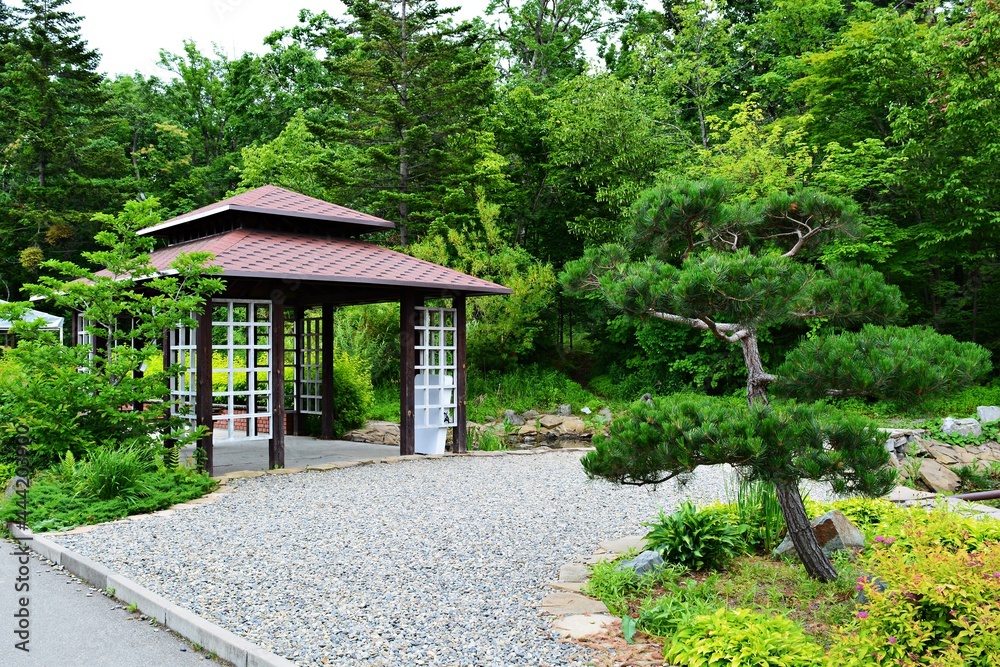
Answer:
[(209, 636)]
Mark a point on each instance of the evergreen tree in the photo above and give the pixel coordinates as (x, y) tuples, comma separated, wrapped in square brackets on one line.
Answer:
[(415, 89), (734, 270), (56, 156)]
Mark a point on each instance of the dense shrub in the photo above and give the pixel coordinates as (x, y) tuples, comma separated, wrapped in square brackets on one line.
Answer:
[(882, 363), (936, 599), (741, 637), (615, 587), (55, 503), (524, 388), (680, 602), (696, 540), (353, 396), (113, 473)]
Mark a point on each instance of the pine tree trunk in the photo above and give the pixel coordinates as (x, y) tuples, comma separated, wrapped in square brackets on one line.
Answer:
[(801, 533), (757, 379)]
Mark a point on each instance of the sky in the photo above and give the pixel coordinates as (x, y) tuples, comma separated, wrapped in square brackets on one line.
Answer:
[(130, 33)]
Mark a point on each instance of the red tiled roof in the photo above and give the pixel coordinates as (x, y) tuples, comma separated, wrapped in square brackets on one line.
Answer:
[(277, 201), (250, 253)]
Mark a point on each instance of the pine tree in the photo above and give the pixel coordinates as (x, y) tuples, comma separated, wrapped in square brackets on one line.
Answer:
[(735, 270)]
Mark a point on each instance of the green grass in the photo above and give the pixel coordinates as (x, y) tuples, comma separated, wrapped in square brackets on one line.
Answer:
[(385, 407), (525, 388), (54, 504)]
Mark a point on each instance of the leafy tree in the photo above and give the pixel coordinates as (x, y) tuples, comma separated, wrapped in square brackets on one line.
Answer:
[(501, 329), (543, 40), (127, 306), (734, 270)]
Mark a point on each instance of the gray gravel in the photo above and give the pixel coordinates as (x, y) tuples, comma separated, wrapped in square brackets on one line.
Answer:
[(427, 562)]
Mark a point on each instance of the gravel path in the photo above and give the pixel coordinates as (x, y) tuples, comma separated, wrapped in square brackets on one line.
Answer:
[(427, 562)]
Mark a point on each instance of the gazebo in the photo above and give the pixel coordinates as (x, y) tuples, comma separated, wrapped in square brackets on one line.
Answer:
[(288, 260)]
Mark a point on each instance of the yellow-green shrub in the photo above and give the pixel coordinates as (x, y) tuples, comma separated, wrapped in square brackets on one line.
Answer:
[(741, 638), (941, 603)]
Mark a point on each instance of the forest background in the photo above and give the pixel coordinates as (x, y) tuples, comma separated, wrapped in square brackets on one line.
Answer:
[(499, 148)]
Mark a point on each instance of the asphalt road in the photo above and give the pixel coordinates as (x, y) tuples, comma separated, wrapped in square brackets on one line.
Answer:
[(72, 625)]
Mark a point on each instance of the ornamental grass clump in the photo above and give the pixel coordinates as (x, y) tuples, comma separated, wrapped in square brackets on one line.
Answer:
[(705, 540)]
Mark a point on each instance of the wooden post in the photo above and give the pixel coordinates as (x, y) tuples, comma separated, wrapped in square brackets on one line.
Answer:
[(300, 316), (459, 440), (407, 362), (203, 396), (169, 443), (326, 360), (276, 444)]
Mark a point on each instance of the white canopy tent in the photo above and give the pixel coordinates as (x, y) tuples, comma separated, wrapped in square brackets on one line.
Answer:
[(52, 323)]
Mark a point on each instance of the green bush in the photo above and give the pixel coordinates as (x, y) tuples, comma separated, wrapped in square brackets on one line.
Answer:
[(57, 504), (758, 510), (696, 540), (617, 587), (524, 388), (662, 616), (353, 396), (937, 598), (741, 637), (113, 473)]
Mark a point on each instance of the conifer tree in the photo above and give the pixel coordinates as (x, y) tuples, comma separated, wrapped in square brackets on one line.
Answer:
[(736, 270), (415, 90)]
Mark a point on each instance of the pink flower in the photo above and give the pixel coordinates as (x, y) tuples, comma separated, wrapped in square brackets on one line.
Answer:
[(892, 640), (860, 587), (862, 614)]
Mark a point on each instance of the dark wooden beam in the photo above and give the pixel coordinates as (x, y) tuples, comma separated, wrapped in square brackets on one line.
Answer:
[(326, 359), (407, 371), (203, 397), (300, 315), (459, 440), (276, 443)]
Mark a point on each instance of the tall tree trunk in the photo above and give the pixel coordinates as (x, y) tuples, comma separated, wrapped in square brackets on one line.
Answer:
[(801, 533), (757, 379), (404, 159)]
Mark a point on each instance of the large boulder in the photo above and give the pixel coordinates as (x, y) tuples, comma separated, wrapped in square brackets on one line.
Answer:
[(969, 428), (937, 477), (988, 414), (834, 531)]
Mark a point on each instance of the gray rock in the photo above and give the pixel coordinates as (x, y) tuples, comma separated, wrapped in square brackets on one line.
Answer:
[(585, 410), (530, 414), (605, 413), (969, 428), (565, 410), (937, 477), (834, 531), (513, 418), (645, 563), (988, 414), (647, 398), (12, 486), (880, 586)]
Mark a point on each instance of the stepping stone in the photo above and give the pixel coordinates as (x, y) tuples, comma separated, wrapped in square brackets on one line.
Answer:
[(245, 474), (623, 544), (285, 471), (567, 586), (574, 573), (600, 558), (904, 494), (581, 626), (565, 604)]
